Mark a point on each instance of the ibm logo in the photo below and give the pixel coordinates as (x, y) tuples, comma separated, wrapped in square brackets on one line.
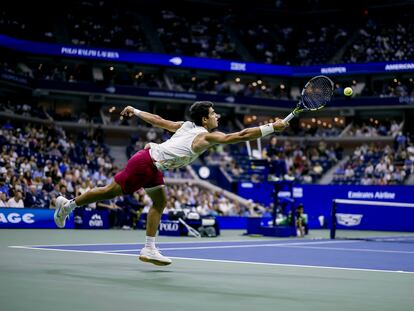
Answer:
[(238, 66)]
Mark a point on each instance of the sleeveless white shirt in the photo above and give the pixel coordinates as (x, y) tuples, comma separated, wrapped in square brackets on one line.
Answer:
[(177, 152)]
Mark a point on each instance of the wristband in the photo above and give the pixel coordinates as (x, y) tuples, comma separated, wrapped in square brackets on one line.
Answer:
[(267, 129), (137, 112)]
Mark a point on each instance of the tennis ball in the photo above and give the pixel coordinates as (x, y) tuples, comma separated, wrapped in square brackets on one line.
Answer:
[(348, 91)]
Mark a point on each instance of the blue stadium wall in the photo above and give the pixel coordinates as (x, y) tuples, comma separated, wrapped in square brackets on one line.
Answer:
[(317, 201)]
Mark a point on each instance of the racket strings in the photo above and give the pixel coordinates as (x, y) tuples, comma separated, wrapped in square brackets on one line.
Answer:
[(317, 93)]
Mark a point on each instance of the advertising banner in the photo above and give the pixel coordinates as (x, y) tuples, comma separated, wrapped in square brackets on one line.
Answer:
[(170, 227), (29, 218), (317, 201), (87, 218), (200, 62)]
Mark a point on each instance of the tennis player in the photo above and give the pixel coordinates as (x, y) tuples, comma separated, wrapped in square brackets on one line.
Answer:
[(144, 169)]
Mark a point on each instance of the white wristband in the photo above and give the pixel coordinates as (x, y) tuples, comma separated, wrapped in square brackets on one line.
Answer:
[(267, 129), (136, 112)]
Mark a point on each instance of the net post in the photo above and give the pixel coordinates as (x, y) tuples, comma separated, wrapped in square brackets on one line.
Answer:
[(249, 149), (259, 147), (333, 220)]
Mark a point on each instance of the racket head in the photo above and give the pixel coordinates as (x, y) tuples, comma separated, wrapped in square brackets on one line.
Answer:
[(316, 93)]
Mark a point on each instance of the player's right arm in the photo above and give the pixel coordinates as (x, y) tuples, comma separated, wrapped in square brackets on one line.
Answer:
[(153, 119), (204, 141)]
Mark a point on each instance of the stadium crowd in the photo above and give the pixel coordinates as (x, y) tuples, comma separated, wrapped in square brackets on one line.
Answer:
[(109, 77), (373, 128), (383, 40), (39, 163), (303, 163), (375, 165), (197, 35), (203, 31)]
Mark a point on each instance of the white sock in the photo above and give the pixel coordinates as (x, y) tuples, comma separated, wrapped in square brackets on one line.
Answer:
[(71, 205), (150, 241)]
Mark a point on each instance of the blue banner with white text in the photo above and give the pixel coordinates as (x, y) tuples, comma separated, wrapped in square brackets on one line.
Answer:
[(87, 218), (317, 201), (170, 227), (372, 217), (200, 63), (29, 218)]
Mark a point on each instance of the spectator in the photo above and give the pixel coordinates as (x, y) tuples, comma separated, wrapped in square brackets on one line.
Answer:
[(16, 201), (301, 221), (349, 172), (3, 200), (31, 197), (271, 150)]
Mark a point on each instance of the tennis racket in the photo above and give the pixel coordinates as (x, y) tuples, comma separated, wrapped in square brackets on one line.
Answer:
[(315, 95), (191, 231)]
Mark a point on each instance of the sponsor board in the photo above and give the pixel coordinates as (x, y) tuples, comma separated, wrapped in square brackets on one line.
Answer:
[(169, 227), (29, 218)]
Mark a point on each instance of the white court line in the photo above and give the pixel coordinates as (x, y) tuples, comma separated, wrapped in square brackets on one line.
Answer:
[(180, 248), (224, 261), (291, 265), (160, 242), (349, 249), (66, 250), (237, 246)]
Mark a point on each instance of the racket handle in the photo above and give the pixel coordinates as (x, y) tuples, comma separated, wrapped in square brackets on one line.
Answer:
[(289, 117)]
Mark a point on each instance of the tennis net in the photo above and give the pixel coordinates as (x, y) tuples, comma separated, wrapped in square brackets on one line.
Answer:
[(372, 221)]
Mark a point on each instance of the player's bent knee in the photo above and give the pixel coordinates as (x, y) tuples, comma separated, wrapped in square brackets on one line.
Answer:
[(112, 190)]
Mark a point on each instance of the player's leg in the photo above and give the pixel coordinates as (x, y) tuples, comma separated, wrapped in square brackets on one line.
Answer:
[(150, 253), (99, 194), (64, 206), (159, 201)]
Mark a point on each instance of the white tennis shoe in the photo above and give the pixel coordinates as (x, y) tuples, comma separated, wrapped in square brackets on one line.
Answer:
[(153, 256), (61, 212)]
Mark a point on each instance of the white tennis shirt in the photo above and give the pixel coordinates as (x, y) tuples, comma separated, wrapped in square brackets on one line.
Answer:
[(177, 152)]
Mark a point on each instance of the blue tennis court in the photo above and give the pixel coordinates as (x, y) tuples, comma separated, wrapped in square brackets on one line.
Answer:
[(100, 271), (384, 256)]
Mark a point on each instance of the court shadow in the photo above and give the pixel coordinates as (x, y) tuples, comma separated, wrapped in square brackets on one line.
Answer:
[(156, 271)]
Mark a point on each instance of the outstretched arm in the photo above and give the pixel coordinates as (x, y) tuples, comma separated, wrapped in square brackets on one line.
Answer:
[(204, 141), (153, 119)]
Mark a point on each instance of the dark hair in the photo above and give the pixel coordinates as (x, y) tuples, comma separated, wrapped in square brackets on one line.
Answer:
[(199, 110)]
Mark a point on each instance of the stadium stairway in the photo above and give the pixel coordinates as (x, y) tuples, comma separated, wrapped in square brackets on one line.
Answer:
[(338, 56), (241, 48), (119, 155), (329, 175), (150, 33)]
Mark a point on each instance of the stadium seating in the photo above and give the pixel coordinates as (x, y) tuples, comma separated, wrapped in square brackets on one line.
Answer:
[(206, 32), (374, 165)]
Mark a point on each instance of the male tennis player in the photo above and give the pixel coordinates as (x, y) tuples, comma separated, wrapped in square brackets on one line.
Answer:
[(144, 169)]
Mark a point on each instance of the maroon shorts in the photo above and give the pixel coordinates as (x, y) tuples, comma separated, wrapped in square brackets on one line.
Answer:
[(140, 172)]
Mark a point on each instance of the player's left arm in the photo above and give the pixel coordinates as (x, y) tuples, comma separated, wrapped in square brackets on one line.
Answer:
[(153, 119)]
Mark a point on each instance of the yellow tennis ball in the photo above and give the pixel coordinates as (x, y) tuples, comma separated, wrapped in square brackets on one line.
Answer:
[(348, 91)]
